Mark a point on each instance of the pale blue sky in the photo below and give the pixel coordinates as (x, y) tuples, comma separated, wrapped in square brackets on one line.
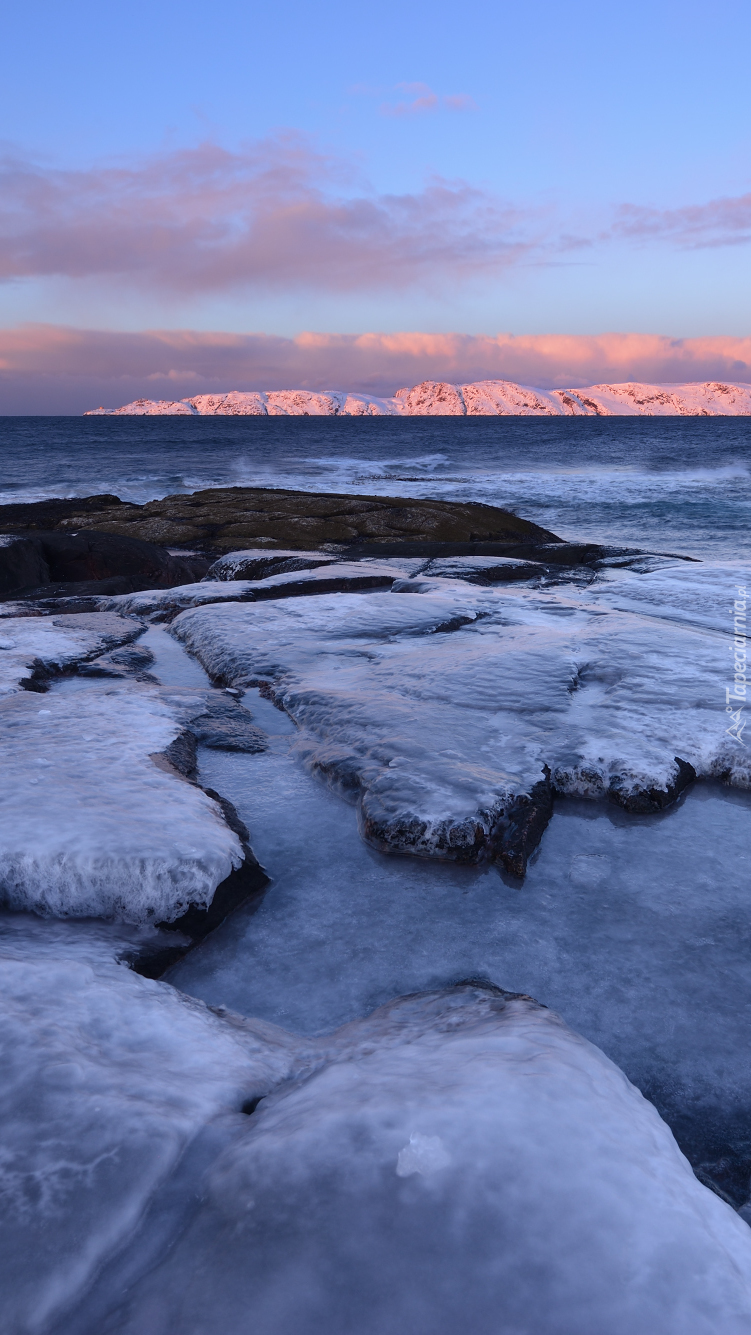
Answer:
[(566, 113)]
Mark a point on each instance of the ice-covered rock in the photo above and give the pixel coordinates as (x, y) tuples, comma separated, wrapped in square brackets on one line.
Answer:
[(35, 648), (453, 712), (259, 563), (342, 577), (96, 818), (110, 1082), (457, 1160), (484, 398), (484, 569), (690, 593), (635, 931)]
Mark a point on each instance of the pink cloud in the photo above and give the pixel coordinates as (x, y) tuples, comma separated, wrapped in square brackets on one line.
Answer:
[(424, 99), (720, 222), (460, 102), (276, 215), (45, 368)]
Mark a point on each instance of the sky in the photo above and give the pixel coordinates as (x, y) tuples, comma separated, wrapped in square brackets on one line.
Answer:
[(473, 170)]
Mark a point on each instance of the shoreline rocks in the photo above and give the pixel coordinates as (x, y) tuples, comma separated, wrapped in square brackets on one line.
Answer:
[(225, 519)]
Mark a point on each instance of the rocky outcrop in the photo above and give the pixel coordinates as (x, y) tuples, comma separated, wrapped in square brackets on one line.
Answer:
[(483, 398), (58, 563), (228, 518)]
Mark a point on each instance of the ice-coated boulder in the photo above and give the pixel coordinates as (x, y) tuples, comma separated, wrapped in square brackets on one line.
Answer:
[(260, 562), (109, 1079), (458, 1160), (97, 817)]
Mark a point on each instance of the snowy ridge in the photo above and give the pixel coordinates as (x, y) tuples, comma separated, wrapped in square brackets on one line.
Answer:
[(466, 1133), (484, 398)]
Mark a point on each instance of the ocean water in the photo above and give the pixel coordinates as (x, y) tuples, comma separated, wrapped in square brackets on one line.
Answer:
[(669, 484)]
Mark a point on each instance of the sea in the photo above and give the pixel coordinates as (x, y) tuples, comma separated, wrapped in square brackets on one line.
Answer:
[(678, 485)]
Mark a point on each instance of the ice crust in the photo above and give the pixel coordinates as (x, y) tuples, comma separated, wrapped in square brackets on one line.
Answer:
[(287, 584), (259, 562), (496, 1169), (634, 929), (32, 646), (90, 824), (108, 1078), (440, 702)]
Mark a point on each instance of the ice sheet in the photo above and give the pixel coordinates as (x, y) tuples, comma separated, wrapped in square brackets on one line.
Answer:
[(456, 1161), (440, 702), (90, 825), (33, 645), (635, 929), (695, 594), (108, 1078)]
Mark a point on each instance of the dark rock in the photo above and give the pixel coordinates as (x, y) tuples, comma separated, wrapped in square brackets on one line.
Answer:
[(21, 564), (649, 800), (227, 726), (51, 513), (60, 563), (520, 828), (133, 660), (80, 589), (179, 756), (488, 574), (729, 1178), (334, 583), (230, 518)]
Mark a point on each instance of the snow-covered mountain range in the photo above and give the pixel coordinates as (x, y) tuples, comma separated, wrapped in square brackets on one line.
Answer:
[(484, 398)]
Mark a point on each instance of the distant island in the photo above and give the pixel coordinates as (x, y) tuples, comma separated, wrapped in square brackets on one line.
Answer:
[(484, 398)]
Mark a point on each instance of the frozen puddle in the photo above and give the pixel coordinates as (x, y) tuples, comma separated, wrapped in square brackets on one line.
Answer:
[(635, 929)]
